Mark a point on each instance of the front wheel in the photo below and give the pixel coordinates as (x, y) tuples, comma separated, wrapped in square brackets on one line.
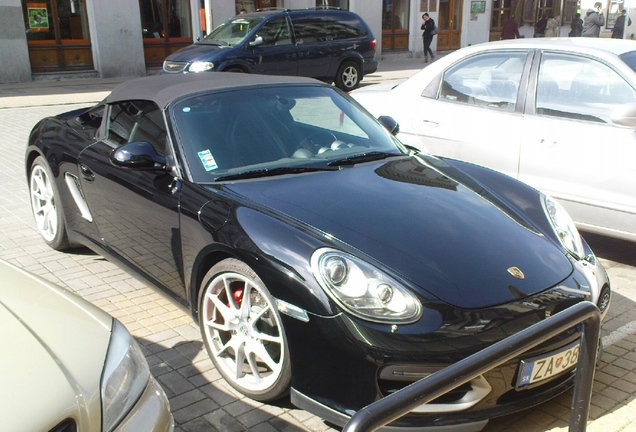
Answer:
[(243, 331), (349, 76), (46, 206)]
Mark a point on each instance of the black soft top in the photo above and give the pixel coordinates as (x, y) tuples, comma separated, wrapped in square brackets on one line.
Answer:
[(163, 89)]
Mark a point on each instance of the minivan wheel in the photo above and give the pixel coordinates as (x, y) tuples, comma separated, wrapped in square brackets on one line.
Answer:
[(234, 69), (348, 77)]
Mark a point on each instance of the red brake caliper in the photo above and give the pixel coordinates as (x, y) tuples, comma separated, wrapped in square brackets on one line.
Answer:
[(238, 296)]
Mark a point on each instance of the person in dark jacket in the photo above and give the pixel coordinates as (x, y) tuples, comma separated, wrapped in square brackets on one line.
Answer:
[(539, 27), (576, 26), (619, 25), (594, 20), (427, 36), (510, 29)]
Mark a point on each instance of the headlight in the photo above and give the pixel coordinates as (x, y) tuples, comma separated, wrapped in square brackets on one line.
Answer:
[(363, 290), (200, 66), (125, 376), (564, 227)]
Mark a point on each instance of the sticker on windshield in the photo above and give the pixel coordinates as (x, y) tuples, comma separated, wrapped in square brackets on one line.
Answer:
[(207, 160)]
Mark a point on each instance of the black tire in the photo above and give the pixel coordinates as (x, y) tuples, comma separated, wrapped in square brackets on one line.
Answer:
[(234, 69), (253, 339), (46, 205), (349, 76)]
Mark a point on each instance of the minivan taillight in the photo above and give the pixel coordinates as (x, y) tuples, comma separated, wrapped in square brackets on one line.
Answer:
[(373, 43)]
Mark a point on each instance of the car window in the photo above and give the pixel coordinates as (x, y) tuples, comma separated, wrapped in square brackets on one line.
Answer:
[(272, 128), (275, 32), (579, 88), (137, 121), (491, 80), (310, 29)]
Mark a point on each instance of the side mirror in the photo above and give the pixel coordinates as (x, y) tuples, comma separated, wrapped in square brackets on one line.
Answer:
[(139, 155), (625, 115), (258, 40), (389, 124)]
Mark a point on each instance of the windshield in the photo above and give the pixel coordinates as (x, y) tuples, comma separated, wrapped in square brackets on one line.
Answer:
[(232, 32), (630, 59), (258, 132)]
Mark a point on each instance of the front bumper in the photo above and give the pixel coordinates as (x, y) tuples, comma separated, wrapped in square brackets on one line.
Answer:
[(331, 356)]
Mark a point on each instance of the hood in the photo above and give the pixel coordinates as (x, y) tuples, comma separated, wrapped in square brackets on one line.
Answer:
[(198, 52), (54, 347), (447, 239), (590, 12)]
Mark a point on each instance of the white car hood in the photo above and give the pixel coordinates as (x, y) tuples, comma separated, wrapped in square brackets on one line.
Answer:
[(54, 346)]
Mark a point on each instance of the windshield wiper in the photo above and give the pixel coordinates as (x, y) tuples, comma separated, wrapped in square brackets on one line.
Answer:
[(268, 172), (216, 42), (362, 157)]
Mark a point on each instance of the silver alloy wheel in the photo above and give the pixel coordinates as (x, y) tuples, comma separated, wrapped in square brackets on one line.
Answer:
[(244, 333), (350, 76), (43, 203)]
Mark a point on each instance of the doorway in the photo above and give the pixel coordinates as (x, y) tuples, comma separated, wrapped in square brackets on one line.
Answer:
[(395, 19), (449, 22)]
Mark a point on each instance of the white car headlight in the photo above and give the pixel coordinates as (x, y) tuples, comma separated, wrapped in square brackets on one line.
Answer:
[(363, 290), (564, 227), (200, 66), (125, 377)]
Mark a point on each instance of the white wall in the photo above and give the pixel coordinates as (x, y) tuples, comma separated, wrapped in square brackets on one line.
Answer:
[(16, 66), (116, 37)]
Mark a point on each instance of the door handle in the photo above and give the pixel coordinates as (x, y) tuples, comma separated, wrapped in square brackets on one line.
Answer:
[(547, 143), (429, 123), (87, 173)]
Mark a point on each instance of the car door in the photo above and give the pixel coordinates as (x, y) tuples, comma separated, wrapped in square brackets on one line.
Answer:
[(473, 111), (276, 55), (316, 48), (136, 211), (571, 148)]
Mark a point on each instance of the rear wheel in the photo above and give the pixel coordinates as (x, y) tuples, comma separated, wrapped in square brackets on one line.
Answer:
[(348, 77), (46, 206), (243, 331)]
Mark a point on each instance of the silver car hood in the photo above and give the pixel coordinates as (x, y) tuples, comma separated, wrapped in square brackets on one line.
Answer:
[(54, 347)]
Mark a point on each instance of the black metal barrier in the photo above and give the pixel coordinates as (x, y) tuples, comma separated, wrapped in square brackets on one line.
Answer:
[(400, 403)]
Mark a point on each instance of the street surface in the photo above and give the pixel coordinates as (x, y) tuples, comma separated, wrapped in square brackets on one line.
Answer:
[(199, 398)]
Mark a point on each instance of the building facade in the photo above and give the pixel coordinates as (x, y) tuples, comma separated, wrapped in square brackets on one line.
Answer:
[(119, 38)]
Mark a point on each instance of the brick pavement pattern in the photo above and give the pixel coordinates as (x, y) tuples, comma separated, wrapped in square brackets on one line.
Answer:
[(199, 398)]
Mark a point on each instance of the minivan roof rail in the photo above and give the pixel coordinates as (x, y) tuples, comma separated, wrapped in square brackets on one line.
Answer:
[(325, 8), (273, 8)]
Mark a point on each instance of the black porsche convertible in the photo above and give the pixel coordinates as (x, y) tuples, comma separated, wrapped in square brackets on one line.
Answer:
[(320, 257)]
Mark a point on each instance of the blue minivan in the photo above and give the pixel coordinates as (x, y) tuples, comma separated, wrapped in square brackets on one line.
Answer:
[(327, 44)]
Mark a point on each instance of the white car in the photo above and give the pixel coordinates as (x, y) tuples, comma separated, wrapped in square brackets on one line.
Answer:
[(556, 113), (66, 365)]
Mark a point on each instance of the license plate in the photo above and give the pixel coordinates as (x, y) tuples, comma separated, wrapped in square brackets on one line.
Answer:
[(546, 366)]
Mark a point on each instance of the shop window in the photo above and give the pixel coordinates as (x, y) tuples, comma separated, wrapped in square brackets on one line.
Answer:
[(395, 19), (342, 4), (166, 27), (253, 5), (57, 34)]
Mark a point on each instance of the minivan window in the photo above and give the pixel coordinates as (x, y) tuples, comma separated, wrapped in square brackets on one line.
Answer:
[(233, 32), (318, 29), (275, 32)]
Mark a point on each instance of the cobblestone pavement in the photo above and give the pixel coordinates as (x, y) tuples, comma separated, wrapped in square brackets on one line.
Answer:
[(199, 398)]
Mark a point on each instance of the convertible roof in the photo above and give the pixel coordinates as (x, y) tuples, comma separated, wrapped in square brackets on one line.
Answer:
[(163, 89)]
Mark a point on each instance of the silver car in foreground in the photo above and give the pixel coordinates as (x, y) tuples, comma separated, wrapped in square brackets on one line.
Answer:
[(556, 113), (66, 365)]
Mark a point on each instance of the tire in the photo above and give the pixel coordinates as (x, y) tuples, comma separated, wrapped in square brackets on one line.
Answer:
[(46, 205), (246, 341), (234, 69), (349, 76)]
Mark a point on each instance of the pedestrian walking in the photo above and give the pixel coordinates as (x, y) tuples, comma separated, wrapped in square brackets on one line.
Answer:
[(576, 26), (619, 25), (429, 30), (552, 26), (510, 29), (594, 20), (539, 27)]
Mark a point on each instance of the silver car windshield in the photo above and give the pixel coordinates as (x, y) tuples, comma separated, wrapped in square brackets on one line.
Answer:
[(263, 131)]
